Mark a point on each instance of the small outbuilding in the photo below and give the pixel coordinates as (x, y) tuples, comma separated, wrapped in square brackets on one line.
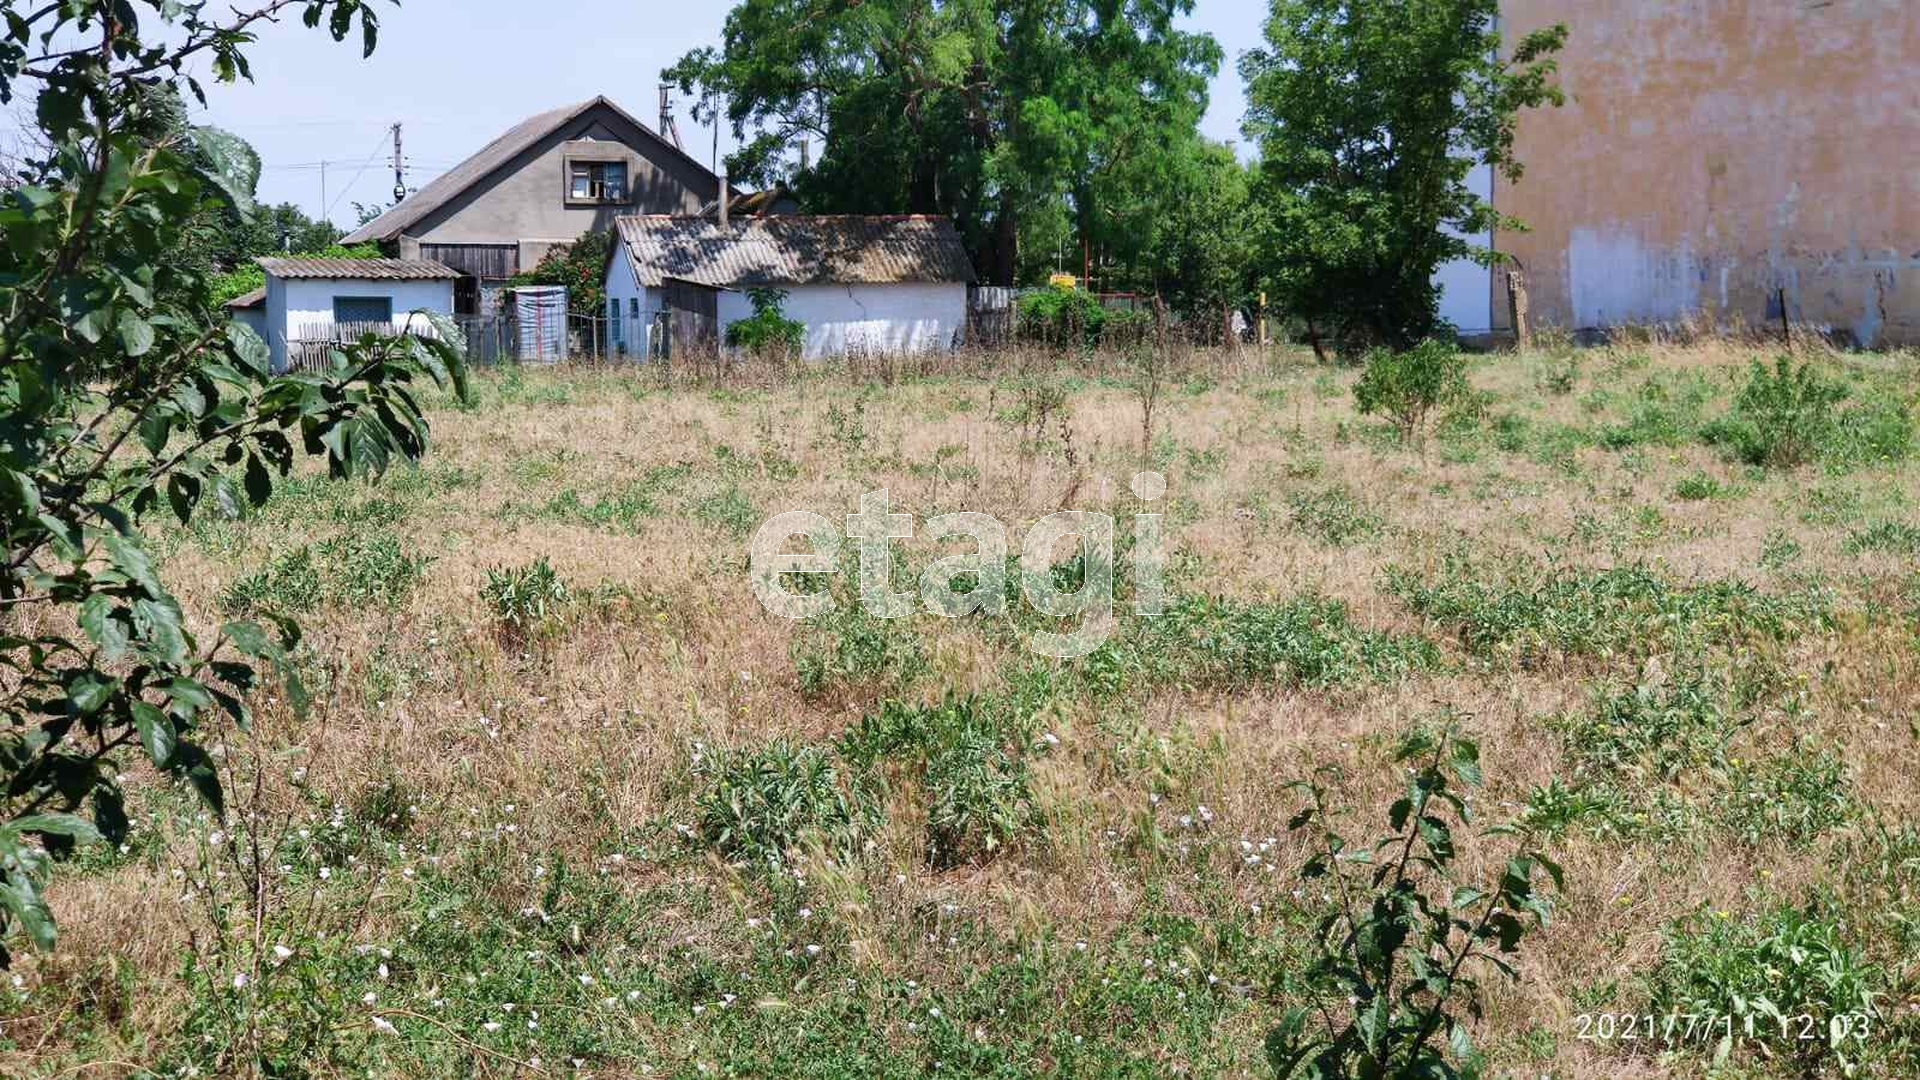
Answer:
[(311, 304), (892, 285)]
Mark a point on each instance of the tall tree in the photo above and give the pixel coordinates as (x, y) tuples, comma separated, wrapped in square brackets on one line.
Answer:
[(1370, 115), (124, 401), (984, 110), (1202, 252)]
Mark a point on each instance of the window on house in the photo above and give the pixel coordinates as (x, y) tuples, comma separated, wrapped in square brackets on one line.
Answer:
[(362, 309), (598, 181)]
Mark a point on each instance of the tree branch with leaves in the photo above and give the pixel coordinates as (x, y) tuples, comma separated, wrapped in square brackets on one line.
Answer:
[(125, 401)]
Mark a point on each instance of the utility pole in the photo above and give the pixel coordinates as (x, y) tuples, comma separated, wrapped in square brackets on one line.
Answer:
[(715, 111), (669, 130), (323, 191), (399, 167)]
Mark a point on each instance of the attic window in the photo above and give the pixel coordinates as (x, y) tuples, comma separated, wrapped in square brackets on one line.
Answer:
[(597, 181)]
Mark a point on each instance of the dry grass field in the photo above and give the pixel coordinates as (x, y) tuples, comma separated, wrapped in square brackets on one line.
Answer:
[(617, 820)]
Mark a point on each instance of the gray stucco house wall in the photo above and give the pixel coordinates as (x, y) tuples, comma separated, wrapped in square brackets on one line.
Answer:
[(499, 211)]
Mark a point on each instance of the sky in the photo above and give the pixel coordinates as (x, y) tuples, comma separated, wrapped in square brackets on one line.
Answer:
[(456, 73)]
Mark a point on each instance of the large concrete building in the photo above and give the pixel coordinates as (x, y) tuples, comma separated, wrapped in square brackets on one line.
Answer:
[(1711, 154)]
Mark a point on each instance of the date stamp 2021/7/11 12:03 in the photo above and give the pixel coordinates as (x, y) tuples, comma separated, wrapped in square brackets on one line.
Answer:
[(1681, 1029)]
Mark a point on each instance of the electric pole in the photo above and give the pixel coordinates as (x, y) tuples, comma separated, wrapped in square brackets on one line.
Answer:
[(399, 168), (323, 191), (669, 130)]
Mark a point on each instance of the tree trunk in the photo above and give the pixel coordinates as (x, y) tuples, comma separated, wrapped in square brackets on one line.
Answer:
[(1006, 241)]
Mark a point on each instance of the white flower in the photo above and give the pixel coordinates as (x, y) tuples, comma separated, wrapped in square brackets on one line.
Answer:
[(367, 998), (281, 953), (490, 1026), (383, 1026), (239, 981)]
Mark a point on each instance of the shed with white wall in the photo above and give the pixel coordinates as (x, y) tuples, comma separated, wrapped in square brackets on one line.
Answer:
[(887, 285), (320, 300)]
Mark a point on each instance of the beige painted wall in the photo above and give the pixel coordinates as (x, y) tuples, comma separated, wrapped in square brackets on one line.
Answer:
[(527, 200), (1713, 151)]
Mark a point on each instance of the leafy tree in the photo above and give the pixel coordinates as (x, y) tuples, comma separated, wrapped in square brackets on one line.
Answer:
[(989, 111), (1203, 255), (126, 401), (767, 331), (1407, 385), (581, 267), (1370, 117)]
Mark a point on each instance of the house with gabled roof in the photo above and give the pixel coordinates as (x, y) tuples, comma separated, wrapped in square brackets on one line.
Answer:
[(547, 180), (884, 285)]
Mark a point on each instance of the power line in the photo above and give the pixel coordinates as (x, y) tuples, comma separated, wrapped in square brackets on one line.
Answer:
[(327, 214)]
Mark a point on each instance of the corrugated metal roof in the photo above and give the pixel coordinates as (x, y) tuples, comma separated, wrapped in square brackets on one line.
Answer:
[(249, 299), (448, 185), (794, 250), (362, 269)]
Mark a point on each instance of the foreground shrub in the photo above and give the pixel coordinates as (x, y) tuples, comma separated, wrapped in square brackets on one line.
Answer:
[(849, 648), (1782, 417), (359, 569), (1393, 982), (1625, 609), (526, 596), (1788, 981), (764, 802), (1217, 643), (965, 752), (1406, 386)]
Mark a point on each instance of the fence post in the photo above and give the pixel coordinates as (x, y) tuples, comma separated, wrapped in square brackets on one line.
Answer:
[(1517, 309)]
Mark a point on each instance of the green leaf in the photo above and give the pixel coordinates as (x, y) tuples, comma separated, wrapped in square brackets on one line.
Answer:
[(131, 560), (90, 690), (99, 621), (199, 771), (156, 733), (136, 334), (22, 901), (249, 349), (77, 829), (228, 163)]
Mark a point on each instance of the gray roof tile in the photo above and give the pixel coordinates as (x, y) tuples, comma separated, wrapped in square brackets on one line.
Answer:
[(794, 250), (363, 269)]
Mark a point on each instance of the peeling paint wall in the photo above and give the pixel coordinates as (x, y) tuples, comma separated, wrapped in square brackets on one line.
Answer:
[(1712, 152)]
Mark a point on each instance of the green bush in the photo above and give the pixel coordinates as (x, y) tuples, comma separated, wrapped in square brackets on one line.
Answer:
[(1407, 386), (1393, 982), (850, 648), (966, 754), (1779, 977), (1699, 487), (768, 331), (359, 569), (1061, 317), (1334, 517), (1218, 643), (1782, 417), (1627, 609), (1654, 732), (526, 596), (761, 803), (1792, 798), (1890, 537)]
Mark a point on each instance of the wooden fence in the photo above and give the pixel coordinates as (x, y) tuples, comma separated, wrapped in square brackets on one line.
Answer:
[(310, 346)]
